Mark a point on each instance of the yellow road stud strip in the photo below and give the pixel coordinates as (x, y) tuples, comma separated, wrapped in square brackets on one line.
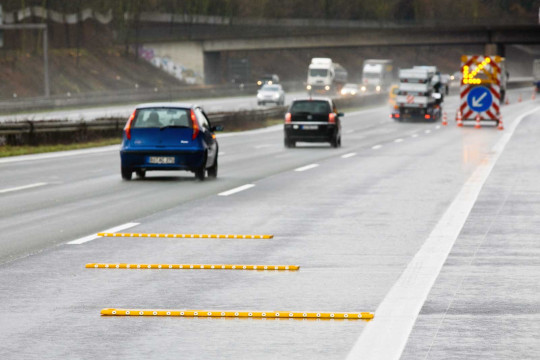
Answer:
[(187, 236), (239, 314), (191, 266)]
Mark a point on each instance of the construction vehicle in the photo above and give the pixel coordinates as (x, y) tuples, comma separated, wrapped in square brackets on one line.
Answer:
[(417, 97), (536, 74), (377, 75), (325, 76)]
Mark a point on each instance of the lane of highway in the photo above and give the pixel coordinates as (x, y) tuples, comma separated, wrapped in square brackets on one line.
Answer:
[(352, 223)]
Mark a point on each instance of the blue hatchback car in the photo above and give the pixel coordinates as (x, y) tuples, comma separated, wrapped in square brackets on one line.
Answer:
[(169, 136)]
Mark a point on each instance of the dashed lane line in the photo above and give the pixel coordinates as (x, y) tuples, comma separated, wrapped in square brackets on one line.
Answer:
[(18, 188), (348, 155), (307, 167), (398, 140), (376, 147), (96, 236), (236, 190), (427, 131)]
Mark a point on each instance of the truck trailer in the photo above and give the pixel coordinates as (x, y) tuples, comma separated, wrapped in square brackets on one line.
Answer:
[(417, 97)]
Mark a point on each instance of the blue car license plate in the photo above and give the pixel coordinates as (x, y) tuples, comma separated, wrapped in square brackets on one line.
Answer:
[(161, 159)]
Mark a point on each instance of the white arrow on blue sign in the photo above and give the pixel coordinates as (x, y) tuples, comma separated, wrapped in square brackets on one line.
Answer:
[(479, 99)]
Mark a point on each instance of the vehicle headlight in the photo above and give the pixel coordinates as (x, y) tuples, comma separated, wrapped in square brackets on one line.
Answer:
[(270, 82), (327, 87), (363, 88), (259, 95), (259, 82), (353, 93), (275, 96), (343, 92), (378, 88), (308, 87)]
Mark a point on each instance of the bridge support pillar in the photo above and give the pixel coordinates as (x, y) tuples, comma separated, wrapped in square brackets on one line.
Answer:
[(212, 67), (494, 49)]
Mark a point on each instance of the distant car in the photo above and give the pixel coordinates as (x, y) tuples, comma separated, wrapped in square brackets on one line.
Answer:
[(313, 120), (169, 136), (269, 79), (349, 90), (271, 94)]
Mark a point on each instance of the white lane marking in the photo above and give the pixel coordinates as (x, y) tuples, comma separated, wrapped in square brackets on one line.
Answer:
[(387, 335), (264, 146), (221, 153), (376, 147), (398, 140), (3, 191), (59, 154), (95, 236), (427, 131), (307, 167), (438, 127), (236, 190), (348, 155), (414, 135)]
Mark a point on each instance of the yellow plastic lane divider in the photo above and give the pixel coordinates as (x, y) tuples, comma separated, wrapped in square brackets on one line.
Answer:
[(192, 266), (239, 314), (188, 236)]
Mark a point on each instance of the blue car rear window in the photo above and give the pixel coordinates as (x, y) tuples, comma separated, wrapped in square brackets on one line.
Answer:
[(160, 117)]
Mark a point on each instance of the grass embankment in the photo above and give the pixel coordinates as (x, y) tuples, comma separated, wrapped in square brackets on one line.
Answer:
[(8, 150)]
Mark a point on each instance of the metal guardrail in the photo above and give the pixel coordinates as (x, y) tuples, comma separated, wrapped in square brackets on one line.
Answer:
[(28, 131), (126, 96)]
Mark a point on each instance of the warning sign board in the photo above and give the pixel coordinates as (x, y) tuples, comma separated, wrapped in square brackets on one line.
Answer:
[(480, 91)]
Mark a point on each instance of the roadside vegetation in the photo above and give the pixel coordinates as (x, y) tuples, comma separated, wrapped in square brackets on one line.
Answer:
[(8, 150)]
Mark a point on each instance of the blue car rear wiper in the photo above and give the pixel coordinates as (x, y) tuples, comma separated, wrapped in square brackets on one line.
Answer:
[(174, 126)]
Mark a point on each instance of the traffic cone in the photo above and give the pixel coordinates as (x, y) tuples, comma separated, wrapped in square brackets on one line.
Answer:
[(519, 99), (507, 102), (500, 127), (444, 119), (533, 97), (458, 118), (477, 125)]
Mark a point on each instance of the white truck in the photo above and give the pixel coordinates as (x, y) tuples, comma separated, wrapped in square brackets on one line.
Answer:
[(417, 97), (377, 75), (325, 76)]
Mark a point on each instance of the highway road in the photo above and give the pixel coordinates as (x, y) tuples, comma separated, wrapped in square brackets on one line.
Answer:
[(369, 224)]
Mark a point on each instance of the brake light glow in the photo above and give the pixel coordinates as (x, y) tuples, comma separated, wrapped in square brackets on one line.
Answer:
[(427, 116), (127, 128), (288, 118), (194, 124), (331, 118)]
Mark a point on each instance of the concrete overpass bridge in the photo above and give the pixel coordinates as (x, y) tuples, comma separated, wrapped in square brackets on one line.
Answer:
[(204, 55)]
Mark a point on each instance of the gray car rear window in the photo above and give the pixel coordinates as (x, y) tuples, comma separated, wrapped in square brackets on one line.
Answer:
[(311, 106)]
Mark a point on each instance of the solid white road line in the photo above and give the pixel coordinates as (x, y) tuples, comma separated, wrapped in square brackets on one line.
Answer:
[(95, 236), (387, 335), (376, 147), (348, 155), (235, 190), (22, 187), (398, 140), (307, 167)]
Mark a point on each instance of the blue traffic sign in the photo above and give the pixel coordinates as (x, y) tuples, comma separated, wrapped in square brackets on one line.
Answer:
[(479, 99)]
